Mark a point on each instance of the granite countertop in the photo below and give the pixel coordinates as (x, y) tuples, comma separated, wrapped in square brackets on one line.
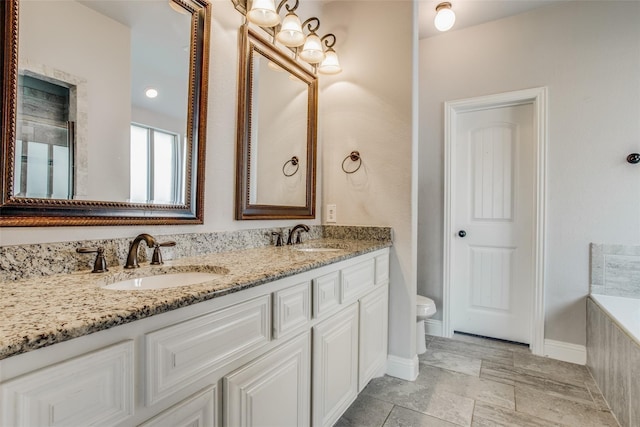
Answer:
[(41, 311)]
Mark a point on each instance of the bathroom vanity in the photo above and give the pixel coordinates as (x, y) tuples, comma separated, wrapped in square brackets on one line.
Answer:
[(284, 337)]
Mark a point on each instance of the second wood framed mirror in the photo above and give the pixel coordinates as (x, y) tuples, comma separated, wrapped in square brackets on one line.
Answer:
[(276, 134)]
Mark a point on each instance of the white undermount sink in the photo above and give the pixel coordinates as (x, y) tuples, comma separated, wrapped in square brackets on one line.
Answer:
[(162, 281)]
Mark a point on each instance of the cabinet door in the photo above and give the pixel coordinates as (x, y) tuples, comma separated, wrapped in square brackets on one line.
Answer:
[(335, 366), (273, 391), (199, 410), (94, 389), (373, 335)]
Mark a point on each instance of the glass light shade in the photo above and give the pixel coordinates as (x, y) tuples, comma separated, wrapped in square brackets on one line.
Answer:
[(263, 13), (330, 65), (291, 34), (445, 18), (312, 51)]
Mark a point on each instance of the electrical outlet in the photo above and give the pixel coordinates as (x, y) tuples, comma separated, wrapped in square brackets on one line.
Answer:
[(331, 213)]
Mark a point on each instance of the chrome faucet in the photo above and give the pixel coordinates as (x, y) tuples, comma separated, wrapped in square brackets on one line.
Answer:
[(132, 257), (302, 227)]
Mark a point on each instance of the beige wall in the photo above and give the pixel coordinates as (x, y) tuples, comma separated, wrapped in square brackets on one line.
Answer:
[(368, 107), (588, 54)]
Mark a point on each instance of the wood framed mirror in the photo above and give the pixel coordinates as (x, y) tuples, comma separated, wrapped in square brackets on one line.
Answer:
[(84, 142), (276, 133)]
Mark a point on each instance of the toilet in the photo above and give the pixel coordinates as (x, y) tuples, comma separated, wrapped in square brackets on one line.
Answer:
[(425, 308)]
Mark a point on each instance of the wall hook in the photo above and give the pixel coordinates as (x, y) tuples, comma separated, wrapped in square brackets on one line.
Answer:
[(354, 157), (633, 158)]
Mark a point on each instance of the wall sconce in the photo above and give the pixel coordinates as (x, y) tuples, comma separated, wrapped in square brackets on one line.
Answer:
[(330, 64), (445, 18), (290, 33), (312, 51), (263, 13)]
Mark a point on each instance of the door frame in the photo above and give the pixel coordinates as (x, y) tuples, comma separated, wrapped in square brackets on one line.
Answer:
[(538, 98)]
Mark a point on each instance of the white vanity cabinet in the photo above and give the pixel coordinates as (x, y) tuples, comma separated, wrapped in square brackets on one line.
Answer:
[(292, 352)]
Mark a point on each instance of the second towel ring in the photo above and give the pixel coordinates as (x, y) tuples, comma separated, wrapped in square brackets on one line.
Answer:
[(294, 162), (355, 157)]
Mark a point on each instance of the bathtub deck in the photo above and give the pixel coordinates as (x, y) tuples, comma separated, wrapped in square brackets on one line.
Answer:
[(469, 381)]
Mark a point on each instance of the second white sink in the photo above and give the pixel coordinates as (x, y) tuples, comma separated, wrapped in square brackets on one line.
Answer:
[(162, 281)]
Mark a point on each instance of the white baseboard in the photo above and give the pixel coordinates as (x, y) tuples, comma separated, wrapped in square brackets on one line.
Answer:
[(433, 327), (565, 351), (405, 369)]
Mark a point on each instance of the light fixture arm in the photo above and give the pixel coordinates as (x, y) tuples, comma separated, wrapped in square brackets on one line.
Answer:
[(329, 43), (309, 22), (286, 6)]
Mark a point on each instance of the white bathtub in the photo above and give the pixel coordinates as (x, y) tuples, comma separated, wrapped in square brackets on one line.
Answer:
[(624, 311)]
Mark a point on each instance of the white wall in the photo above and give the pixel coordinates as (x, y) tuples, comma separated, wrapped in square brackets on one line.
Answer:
[(49, 37), (368, 107), (588, 54), (220, 158)]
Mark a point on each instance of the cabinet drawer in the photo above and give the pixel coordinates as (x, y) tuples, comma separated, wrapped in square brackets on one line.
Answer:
[(382, 269), (199, 410), (291, 309), (356, 280), (181, 354), (95, 389), (326, 293)]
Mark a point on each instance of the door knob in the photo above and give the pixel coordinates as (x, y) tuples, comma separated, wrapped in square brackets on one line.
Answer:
[(462, 233)]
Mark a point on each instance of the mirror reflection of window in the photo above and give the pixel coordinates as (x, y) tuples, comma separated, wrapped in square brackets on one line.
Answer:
[(157, 166), (44, 143)]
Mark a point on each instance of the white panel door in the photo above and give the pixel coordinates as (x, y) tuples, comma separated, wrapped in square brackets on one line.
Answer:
[(492, 274)]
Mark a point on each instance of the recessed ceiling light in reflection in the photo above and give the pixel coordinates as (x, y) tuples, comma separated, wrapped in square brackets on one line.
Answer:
[(151, 92)]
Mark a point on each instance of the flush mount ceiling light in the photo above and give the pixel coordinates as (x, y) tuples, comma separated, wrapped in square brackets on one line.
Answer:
[(151, 92), (445, 18)]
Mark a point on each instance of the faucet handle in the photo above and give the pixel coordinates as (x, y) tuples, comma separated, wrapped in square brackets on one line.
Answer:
[(100, 264), (279, 238), (156, 258)]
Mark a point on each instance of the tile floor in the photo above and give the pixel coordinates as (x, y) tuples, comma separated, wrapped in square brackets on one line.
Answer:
[(471, 381)]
